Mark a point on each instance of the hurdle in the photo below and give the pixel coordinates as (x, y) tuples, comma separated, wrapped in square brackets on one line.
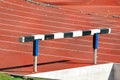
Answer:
[(35, 39)]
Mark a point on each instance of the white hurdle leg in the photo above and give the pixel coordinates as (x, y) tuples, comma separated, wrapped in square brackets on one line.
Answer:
[(35, 64), (95, 56)]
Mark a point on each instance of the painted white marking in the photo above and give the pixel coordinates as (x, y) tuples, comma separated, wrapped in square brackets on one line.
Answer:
[(93, 31), (42, 37), (58, 35), (22, 39), (77, 33), (109, 30)]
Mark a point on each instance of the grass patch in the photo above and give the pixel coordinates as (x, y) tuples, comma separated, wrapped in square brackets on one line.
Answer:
[(4, 76)]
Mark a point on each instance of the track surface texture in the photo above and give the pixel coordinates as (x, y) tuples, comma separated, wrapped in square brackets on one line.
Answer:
[(21, 18)]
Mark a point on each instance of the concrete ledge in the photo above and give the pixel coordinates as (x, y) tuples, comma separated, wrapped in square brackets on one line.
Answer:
[(108, 71)]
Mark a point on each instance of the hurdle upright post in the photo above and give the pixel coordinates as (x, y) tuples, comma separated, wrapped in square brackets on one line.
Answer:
[(95, 47), (35, 54)]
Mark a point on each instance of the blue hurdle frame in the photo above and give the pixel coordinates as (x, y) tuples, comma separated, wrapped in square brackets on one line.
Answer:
[(35, 39), (36, 48)]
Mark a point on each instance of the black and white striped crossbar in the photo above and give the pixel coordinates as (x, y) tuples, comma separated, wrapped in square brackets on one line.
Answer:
[(60, 35)]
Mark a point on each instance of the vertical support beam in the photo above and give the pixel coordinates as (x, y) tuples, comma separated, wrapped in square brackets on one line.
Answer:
[(35, 54), (95, 47)]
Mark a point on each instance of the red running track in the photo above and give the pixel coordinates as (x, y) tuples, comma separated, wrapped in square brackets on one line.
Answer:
[(20, 18)]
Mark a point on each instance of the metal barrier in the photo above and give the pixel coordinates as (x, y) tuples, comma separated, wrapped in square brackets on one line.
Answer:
[(35, 39)]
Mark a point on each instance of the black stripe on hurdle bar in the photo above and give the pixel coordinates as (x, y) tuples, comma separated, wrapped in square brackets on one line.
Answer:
[(86, 32), (49, 36), (104, 31), (68, 34), (64, 34)]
